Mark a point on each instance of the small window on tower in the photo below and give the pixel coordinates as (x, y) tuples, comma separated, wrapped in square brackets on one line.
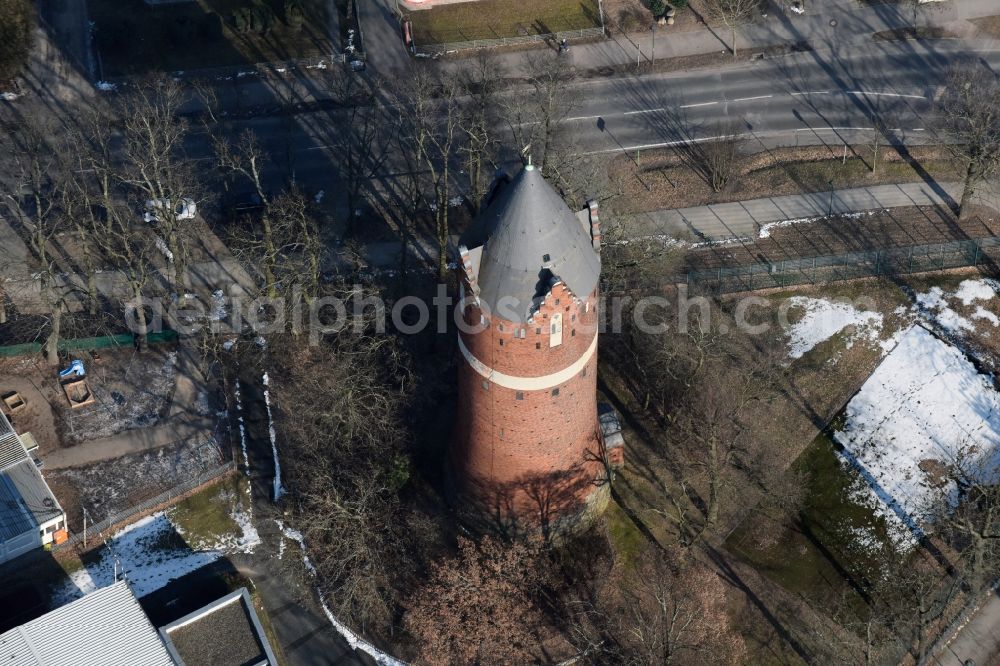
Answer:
[(519, 395), (546, 257), (538, 345), (501, 342), (573, 318), (486, 385), (557, 301), (538, 331), (584, 371), (555, 392), (572, 333), (500, 327)]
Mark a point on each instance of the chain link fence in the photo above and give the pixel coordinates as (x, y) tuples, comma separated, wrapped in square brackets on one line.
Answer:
[(849, 266), (94, 531)]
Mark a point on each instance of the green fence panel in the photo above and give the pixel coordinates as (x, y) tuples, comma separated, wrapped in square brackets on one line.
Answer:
[(102, 342), (21, 349), (86, 344)]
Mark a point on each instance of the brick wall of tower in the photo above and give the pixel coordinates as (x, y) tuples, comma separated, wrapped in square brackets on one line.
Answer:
[(519, 444)]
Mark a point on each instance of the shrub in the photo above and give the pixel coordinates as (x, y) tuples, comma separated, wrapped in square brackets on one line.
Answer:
[(658, 7), (293, 14)]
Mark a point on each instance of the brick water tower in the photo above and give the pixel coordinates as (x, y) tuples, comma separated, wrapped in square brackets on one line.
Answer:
[(527, 449)]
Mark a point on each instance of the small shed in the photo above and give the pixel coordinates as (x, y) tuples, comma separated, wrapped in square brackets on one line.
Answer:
[(611, 435)]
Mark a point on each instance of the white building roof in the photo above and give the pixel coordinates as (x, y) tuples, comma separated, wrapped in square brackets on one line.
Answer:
[(104, 628)]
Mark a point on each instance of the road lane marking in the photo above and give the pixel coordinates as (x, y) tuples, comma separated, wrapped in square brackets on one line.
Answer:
[(691, 106), (633, 113), (815, 92), (877, 94), (747, 99)]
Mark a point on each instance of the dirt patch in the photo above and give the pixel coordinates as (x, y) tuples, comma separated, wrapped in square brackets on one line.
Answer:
[(132, 391), (662, 180), (36, 416), (112, 486), (929, 32)]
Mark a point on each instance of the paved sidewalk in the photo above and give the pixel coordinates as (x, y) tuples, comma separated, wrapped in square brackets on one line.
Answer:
[(978, 641), (744, 218), (831, 24)]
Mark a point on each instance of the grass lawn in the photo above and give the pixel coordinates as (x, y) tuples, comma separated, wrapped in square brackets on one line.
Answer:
[(134, 38), (832, 551), (493, 19)]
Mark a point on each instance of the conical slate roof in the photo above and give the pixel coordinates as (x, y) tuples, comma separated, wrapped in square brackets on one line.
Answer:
[(529, 236)]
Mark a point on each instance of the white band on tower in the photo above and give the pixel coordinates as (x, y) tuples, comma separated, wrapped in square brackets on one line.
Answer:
[(528, 383)]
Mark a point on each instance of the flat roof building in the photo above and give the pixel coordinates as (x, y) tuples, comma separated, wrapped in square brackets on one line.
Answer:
[(226, 632), (30, 515)]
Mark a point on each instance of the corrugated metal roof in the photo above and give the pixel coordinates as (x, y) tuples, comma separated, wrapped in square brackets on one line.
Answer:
[(104, 628), (11, 450), (527, 221), (26, 502), (24, 485)]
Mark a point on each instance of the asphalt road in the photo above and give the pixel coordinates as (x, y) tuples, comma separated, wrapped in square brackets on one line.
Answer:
[(805, 98)]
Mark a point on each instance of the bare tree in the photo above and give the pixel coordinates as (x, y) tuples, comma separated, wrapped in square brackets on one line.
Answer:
[(484, 83), (362, 137), (155, 163), (429, 108), (481, 607), (535, 120), (969, 124), (339, 408), (38, 179), (129, 250), (733, 13), (676, 614)]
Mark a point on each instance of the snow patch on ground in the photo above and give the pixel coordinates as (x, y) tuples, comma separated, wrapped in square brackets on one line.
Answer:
[(145, 553), (935, 304), (279, 490), (9, 96), (766, 229), (823, 319), (105, 86), (921, 408)]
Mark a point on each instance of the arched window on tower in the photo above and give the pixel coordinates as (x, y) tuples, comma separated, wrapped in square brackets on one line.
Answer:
[(555, 332)]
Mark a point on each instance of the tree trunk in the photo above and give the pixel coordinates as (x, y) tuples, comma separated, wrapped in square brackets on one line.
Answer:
[(141, 335), (52, 342), (713, 482), (968, 189), (733, 29)]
